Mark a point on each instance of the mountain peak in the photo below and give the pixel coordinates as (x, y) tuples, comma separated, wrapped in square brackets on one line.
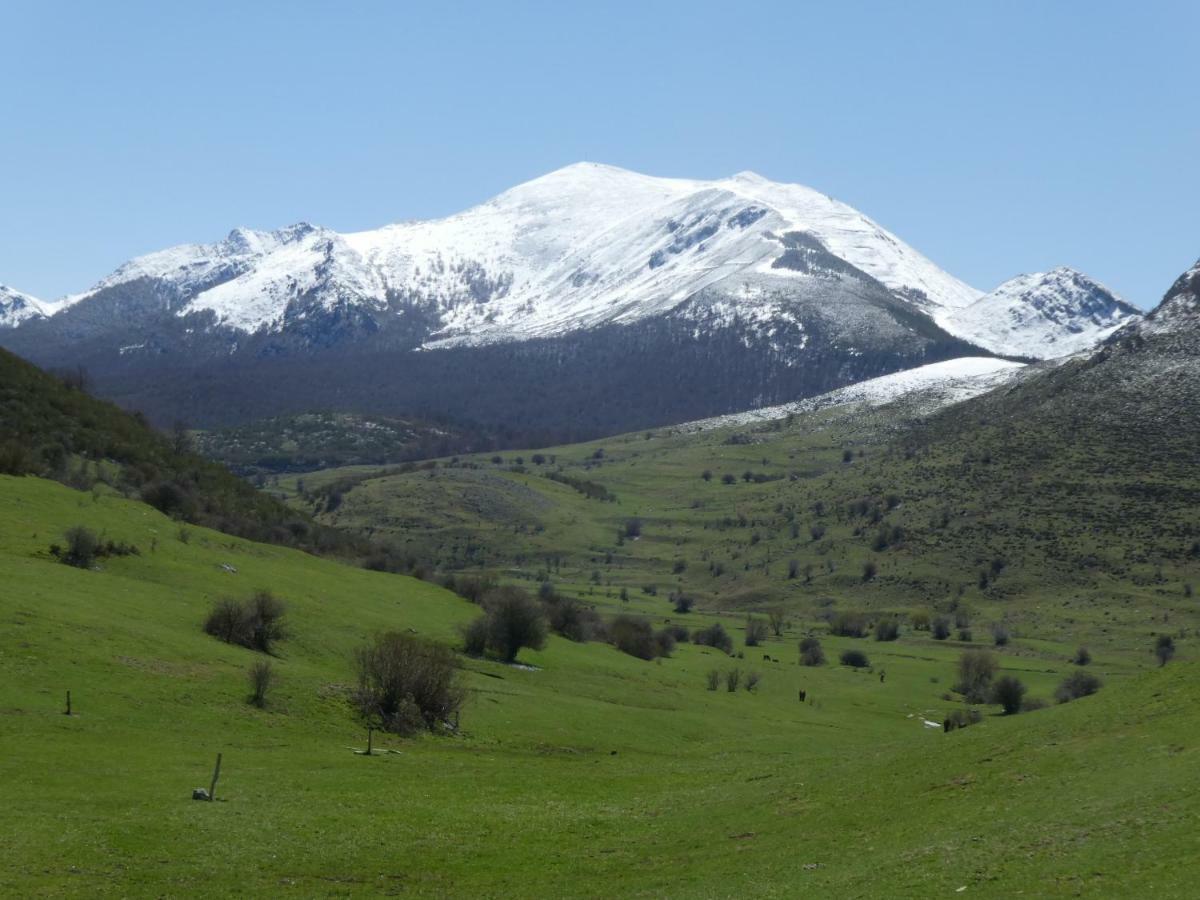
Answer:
[(1043, 315), (17, 306)]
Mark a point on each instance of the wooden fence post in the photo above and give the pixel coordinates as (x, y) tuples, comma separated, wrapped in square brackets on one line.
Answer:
[(212, 788), (68, 712), (370, 734)]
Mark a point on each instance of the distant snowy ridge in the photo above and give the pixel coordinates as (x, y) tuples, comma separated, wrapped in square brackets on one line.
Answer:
[(1042, 315), (16, 307), (935, 386)]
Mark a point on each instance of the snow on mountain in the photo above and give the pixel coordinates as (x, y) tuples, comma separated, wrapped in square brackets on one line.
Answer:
[(932, 387), (1042, 315), (16, 307), (1179, 311), (582, 246)]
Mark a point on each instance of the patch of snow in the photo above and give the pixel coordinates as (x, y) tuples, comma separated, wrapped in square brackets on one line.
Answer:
[(937, 384)]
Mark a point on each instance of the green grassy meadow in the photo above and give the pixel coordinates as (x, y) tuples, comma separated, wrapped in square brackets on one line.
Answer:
[(591, 773)]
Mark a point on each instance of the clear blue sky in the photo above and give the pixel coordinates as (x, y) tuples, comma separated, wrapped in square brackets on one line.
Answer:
[(997, 138)]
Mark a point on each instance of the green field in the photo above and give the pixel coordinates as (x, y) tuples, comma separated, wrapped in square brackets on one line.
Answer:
[(593, 773)]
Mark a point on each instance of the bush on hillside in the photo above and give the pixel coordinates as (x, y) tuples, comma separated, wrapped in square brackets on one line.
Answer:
[(976, 670), (713, 636), (1082, 657), (256, 623), (633, 635), (848, 624), (756, 631), (1009, 692), (406, 683), (856, 659), (811, 653), (961, 718), (81, 549), (261, 676), (1077, 684), (887, 629), (513, 620), (940, 628)]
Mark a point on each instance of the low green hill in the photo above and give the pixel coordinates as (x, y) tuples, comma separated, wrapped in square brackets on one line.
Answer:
[(590, 773), (50, 426)]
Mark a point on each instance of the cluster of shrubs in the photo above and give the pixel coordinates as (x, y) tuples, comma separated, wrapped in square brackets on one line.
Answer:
[(256, 623), (83, 547), (636, 636), (714, 635), (732, 679)]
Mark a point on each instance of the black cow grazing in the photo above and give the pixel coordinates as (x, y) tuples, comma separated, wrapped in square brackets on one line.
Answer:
[(803, 695), (766, 657)]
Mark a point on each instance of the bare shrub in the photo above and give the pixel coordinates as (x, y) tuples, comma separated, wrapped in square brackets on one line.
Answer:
[(732, 679), (756, 631), (778, 621), (811, 653), (940, 628), (1000, 635), (406, 683), (256, 623), (1082, 657), (752, 680), (976, 669), (848, 624), (887, 629), (261, 676), (713, 679)]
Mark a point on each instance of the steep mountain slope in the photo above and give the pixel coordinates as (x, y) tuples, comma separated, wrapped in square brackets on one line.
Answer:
[(1178, 315), (16, 307), (1043, 315)]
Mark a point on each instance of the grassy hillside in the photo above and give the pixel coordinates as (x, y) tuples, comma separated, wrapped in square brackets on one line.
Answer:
[(592, 774), (50, 426), (1057, 535)]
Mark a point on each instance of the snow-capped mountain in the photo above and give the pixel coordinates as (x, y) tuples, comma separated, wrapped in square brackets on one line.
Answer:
[(16, 307), (583, 246), (1042, 315), (734, 293)]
